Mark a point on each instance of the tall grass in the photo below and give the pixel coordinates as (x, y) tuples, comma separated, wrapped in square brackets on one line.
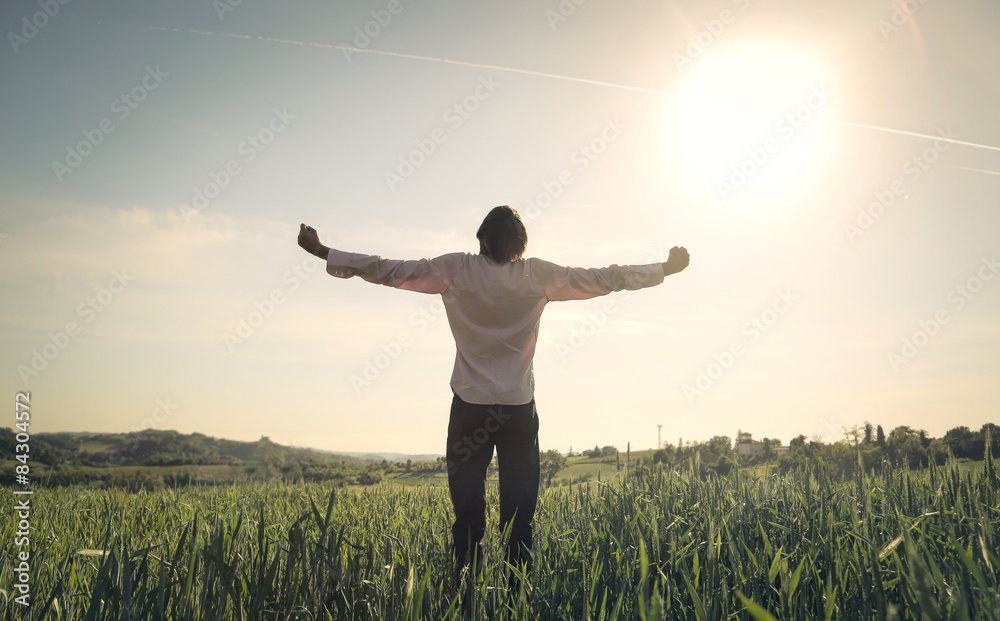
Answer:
[(656, 544)]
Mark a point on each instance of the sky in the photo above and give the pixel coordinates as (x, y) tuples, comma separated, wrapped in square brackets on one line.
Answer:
[(833, 170)]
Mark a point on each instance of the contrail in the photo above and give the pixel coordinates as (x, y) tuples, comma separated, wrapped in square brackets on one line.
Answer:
[(905, 133), (988, 172), (358, 50), (509, 69), (462, 63)]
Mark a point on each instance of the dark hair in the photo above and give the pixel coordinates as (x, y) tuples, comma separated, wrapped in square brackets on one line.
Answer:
[(502, 236)]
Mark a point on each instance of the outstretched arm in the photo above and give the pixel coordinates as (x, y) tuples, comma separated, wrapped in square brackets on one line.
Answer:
[(676, 261), (576, 283), (424, 276)]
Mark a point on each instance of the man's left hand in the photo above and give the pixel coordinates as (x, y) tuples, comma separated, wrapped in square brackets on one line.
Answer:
[(309, 240)]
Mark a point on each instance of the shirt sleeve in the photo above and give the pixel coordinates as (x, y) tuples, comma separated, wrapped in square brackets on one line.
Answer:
[(423, 275), (578, 283)]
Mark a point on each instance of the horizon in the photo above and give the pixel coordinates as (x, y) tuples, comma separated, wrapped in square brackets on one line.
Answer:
[(831, 169), (699, 441)]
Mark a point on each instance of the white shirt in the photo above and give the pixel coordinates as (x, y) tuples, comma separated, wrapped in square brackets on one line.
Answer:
[(494, 309)]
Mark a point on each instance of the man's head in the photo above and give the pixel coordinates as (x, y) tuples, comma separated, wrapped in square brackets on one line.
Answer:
[(502, 236)]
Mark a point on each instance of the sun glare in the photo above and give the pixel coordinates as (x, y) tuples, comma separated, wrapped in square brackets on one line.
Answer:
[(753, 116)]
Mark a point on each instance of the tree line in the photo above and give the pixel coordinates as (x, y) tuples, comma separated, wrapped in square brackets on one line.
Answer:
[(862, 445)]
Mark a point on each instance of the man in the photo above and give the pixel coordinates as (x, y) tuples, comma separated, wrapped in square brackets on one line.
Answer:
[(494, 302)]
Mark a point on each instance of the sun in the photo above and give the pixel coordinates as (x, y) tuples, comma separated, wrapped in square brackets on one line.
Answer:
[(753, 116)]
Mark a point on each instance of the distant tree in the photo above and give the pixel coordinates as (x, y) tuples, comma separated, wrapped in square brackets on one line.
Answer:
[(868, 433), (840, 457), (608, 451), (925, 441), (724, 466), (665, 455), (854, 435), (913, 452), (937, 452), (961, 441), (899, 436), (895, 442), (767, 446), (722, 445), (990, 434), (293, 472), (880, 437), (551, 463), (274, 461)]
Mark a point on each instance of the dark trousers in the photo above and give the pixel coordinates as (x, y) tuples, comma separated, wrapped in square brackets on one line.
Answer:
[(473, 431)]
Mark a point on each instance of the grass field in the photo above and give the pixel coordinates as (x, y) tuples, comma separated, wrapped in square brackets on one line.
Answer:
[(655, 544), (578, 468)]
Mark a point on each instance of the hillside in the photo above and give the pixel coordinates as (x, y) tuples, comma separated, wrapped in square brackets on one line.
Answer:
[(159, 448)]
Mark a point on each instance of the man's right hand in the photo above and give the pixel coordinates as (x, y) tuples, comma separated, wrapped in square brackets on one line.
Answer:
[(677, 260)]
